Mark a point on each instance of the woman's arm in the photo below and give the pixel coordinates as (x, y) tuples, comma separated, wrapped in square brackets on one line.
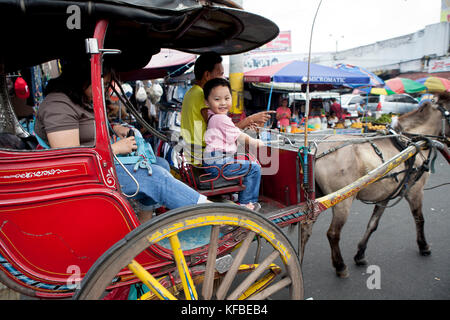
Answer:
[(124, 146), (64, 139), (120, 130), (70, 138)]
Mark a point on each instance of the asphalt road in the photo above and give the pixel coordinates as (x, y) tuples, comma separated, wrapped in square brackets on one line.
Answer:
[(392, 252)]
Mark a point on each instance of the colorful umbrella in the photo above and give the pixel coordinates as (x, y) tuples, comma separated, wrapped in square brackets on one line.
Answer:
[(404, 85), (435, 84), (427, 97), (377, 91), (375, 81)]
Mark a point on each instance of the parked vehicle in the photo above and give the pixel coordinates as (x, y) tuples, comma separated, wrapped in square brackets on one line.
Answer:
[(350, 101), (396, 103)]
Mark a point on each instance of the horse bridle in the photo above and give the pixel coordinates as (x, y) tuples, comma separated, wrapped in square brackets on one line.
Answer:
[(445, 116)]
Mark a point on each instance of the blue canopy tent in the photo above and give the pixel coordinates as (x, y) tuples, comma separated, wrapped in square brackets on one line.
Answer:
[(296, 72), (320, 77)]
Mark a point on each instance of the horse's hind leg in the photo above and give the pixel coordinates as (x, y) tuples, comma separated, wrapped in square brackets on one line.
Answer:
[(414, 199), (371, 227), (340, 215)]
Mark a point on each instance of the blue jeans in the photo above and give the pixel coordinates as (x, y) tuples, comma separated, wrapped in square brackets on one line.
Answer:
[(161, 187), (251, 181)]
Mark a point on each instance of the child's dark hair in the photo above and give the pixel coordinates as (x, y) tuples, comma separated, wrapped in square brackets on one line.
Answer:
[(213, 83), (206, 62)]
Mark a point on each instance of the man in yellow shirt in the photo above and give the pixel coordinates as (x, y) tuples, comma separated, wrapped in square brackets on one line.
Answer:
[(194, 110)]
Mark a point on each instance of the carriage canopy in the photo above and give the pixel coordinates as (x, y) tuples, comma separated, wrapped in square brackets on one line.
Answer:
[(41, 30)]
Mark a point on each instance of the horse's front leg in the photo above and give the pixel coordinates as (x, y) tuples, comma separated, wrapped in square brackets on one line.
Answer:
[(414, 198), (371, 227), (340, 215)]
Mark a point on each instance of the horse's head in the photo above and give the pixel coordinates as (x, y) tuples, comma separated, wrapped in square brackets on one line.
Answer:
[(432, 118)]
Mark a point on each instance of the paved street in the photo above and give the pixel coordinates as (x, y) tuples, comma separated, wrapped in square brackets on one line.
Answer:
[(405, 274)]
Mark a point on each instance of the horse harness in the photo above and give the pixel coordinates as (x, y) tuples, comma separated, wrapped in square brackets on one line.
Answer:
[(406, 183), (350, 142)]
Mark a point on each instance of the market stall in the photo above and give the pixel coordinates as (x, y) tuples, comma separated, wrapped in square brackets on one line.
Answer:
[(295, 73)]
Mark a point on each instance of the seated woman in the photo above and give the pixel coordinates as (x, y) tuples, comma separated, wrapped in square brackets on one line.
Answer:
[(66, 119), (221, 137)]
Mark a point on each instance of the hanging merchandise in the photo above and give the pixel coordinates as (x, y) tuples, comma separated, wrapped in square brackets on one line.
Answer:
[(141, 95), (155, 92), (127, 89), (21, 88), (36, 85)]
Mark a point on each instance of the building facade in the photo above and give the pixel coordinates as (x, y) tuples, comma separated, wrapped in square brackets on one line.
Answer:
[(419, 54), (426, 51)]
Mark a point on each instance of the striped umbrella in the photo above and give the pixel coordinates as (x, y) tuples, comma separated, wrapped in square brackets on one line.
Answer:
[(385, 90), (405, 85), (435, 84)]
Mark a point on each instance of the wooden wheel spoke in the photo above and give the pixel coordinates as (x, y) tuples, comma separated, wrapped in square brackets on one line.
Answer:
[(208, 283), (252, 277), (153, 284), (160, 241), (188, 285), (229, 277), (272, 289)]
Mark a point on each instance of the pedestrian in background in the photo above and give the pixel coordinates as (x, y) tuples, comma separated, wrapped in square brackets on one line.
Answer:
[(336, 108)]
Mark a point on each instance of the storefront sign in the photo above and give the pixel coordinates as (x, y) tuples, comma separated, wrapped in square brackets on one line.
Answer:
[(282, 43), (439, 65)]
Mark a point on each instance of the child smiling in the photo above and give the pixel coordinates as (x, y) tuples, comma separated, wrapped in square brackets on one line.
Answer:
[(221, 139)]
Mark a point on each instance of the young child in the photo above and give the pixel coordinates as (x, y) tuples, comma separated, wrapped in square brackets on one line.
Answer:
[(221, 139)]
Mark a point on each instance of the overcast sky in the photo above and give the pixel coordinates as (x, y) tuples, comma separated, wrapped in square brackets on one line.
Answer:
[(352, 22)]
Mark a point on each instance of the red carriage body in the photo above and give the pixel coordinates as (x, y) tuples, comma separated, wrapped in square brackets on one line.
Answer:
[(61, 209)]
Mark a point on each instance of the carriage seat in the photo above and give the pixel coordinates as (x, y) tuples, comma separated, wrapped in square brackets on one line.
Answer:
[(211, 184)]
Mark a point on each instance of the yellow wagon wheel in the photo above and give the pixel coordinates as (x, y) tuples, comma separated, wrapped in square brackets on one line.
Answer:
[(279, 268)]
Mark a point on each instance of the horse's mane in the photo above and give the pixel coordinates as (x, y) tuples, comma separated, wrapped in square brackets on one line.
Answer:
[(444, 99)]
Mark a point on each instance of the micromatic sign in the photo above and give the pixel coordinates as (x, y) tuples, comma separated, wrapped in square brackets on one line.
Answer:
[(304, 79), (324, 79)]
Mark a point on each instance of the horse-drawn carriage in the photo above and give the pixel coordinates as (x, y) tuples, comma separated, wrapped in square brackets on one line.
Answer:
[(65, 227)]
